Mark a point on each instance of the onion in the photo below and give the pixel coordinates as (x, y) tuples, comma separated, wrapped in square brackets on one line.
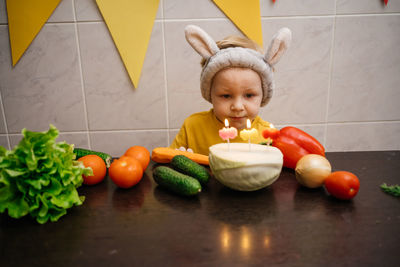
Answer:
[(312, 170)]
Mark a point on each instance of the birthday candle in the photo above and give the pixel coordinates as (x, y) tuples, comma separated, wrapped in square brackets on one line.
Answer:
[(270, 134), (248, 134), (227, 132)]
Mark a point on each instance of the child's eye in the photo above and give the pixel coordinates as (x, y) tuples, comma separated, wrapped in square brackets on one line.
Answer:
[(249, 95), (226, 96)]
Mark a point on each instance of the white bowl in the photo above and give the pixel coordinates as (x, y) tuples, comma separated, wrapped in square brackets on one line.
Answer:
[(244, 169)]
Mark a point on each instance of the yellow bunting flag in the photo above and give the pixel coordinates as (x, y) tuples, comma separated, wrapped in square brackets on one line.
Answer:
[(245, 15), (130, 23), (25, 19)]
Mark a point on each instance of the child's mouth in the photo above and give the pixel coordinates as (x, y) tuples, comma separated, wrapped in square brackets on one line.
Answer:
[(237, 118)]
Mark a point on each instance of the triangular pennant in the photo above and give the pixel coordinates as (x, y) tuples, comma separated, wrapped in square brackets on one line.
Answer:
[(25, 19), (130, 23), (245, 15)]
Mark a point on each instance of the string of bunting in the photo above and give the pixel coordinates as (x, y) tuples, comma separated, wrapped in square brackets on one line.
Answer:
[(130, 23)]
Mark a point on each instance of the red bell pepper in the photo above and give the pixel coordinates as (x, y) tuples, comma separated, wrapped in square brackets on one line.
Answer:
[(293, 143)]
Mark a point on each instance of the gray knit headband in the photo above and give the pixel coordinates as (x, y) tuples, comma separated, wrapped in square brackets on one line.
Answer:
[(219, 59)]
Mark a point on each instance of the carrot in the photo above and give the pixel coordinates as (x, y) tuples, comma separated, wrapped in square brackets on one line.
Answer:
[(165, 155)]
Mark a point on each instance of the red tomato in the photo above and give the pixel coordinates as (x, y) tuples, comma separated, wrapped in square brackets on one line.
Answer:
[(342, 184), (140, 153), (125, 172), (98, 166)]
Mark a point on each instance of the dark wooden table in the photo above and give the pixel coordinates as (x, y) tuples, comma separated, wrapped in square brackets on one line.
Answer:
[(282, 225)]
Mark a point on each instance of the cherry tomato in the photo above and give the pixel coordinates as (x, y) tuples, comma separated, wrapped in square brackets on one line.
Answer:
[(125, 172), (342, 184)]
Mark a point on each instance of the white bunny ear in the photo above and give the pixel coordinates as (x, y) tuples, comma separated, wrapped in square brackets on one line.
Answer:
[(200, 41), (279, 44)]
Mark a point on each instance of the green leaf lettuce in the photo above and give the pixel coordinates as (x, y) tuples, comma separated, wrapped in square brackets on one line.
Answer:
[(39, 177)]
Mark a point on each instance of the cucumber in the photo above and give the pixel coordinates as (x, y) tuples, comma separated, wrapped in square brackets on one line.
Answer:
[(175, 181), (187, 166), (81, 152)]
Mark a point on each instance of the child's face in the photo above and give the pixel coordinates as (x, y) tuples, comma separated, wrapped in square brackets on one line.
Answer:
[(236, 95)]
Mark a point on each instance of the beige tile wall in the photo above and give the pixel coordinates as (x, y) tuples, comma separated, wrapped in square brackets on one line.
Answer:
[(340, 80)]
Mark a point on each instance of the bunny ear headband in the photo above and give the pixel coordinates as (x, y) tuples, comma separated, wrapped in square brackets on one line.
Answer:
[(218, 59)]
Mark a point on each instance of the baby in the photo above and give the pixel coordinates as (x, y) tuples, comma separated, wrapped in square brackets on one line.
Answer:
[(237, 79)]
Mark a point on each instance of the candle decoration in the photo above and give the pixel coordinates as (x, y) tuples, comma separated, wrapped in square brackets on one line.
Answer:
[(227, 132), (271, 133), (247, 134)]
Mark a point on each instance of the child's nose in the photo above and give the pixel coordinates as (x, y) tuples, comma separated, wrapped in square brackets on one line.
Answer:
[(237, 104)]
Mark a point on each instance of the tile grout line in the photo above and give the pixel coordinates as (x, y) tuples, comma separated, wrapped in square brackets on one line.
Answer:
[(81, 76), (336, 123), (225, 18), (102, 131), (278, 125), (1, 98), (5, 121), (165, 69), (328, 92)]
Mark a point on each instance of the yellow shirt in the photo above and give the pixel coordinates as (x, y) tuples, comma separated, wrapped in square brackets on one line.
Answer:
[(200, 131)]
